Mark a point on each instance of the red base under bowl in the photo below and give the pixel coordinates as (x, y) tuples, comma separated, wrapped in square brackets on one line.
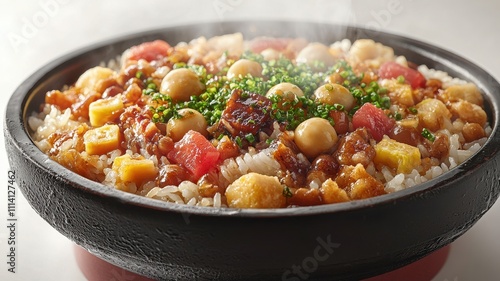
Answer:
[(96, 269)]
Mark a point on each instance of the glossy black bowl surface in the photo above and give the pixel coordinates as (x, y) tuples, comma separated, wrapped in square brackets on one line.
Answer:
[(174, 242)]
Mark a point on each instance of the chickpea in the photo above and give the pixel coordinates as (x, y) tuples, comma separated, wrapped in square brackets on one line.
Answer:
[(270, 54), (335, 94), (89, 80), (255, 191), (180, 84), (315, 136), (287, 91), (190, 119), (243, 67), (472, 132), (315, 52)]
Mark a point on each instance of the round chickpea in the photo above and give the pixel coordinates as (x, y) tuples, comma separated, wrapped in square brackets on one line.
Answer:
[(243, 67), (189, 119), (335, 94), (315, 136), (180, 84), (316, 52), (472, 132), (287, 91)]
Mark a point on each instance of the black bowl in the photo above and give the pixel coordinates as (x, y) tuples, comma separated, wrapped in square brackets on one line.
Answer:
[(168, 241)]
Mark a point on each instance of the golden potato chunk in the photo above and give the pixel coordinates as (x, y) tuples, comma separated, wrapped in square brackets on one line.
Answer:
[(432, 114), (102, 140), (399, 156), (255, 191), (357, 183), (332, 193), (468, 92), (134, 170), (469, 112)]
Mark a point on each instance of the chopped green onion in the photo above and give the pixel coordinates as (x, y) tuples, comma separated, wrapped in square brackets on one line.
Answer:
[(428, 135), (238, 141), (250, 138), (287, 192)]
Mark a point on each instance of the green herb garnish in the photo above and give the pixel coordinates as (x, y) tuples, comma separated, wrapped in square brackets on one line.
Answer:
[(287, 192), (428, 135)]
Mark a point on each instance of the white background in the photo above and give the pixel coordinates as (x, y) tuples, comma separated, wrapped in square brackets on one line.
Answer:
[(35, 32)]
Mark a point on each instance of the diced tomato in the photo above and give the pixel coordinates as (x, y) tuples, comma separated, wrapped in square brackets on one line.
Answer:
[(195, 153), (149, 50), (260, 44), (391, 70), (374, 120)]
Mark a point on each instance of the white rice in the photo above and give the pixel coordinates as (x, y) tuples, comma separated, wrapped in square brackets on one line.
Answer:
[(262, 163), (440, 75)]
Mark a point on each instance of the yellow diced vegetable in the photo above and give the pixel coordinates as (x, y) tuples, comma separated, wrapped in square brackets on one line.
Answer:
[(399, 93), (134, 170), (399, 156), (102, 140), (105, 110)]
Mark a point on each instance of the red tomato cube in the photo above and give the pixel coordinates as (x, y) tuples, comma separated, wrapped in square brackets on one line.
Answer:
[(195, 153), (390, 70), (374, 120), (149, 50)]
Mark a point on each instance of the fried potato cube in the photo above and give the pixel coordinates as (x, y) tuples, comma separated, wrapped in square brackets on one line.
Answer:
[(357, 183), (102, 140), (468, 92), (332, 193), (255, 191), (399, 156), (134, 170), (105, 110), (433, 114), (469, 112)]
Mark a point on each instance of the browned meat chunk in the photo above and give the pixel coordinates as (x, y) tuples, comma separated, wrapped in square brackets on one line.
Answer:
[(355, 148), (293, 169), (246, 113)]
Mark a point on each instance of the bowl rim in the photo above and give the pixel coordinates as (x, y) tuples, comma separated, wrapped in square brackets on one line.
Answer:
[(16, 129)]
